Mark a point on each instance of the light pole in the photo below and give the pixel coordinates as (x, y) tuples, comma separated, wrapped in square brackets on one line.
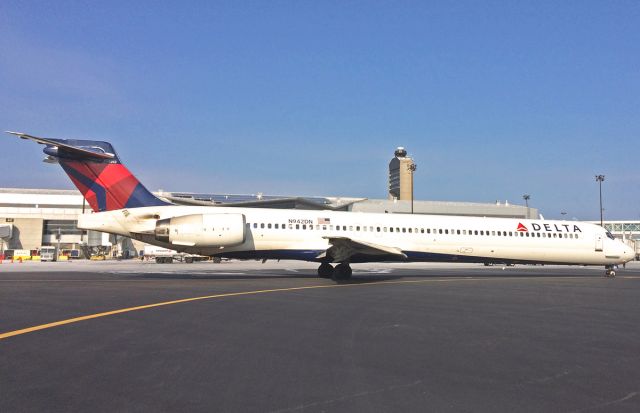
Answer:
[(526, 198), (600, 179), (412, 168)]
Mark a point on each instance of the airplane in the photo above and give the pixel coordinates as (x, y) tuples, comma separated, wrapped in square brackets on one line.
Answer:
[(123, 206)]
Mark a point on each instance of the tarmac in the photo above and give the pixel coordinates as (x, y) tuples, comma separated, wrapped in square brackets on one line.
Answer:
[(251, 337)]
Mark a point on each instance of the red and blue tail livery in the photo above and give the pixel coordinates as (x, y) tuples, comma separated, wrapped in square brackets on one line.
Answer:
[(96, 170)]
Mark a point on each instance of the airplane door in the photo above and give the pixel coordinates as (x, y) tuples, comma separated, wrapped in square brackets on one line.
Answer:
[(599, 242)]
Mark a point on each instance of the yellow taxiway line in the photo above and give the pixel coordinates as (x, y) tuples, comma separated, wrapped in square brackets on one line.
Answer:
[(242, 293)]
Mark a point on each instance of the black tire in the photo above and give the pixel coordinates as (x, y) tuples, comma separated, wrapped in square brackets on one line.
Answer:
[(159, 260), (188, 260), (217, 260), (342, 272), (325, 270)]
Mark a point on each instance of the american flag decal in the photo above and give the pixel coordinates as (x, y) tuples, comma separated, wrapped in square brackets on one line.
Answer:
[(324, 221)]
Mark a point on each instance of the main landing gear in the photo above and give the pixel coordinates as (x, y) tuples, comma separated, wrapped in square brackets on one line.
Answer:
[(610, 271), (340, 272)]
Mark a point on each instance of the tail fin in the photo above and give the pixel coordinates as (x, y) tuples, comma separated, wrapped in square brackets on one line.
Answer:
[(96, 171)]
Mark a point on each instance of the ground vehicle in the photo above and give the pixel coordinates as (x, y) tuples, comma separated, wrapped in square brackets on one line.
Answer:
[(48, 253), (21, 254), (167, 256)]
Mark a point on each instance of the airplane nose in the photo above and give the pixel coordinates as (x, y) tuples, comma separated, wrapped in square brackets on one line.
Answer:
[(629, 253)]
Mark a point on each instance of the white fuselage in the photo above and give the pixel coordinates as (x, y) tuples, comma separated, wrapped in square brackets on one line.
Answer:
[(304, 235)]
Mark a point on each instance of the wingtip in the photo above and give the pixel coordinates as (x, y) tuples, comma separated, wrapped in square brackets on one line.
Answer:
[(15, 133)]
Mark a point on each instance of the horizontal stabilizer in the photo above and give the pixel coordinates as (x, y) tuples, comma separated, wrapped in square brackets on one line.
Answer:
[(81, 151)]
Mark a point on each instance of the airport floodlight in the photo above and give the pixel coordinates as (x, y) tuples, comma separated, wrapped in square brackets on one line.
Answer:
[(599, 180), (526, 198), (412, 168)]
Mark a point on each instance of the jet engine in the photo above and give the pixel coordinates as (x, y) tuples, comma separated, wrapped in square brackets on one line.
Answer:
[(202, 230)]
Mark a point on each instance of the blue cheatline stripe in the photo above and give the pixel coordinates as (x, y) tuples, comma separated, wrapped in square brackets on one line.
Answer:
[(412, 256)]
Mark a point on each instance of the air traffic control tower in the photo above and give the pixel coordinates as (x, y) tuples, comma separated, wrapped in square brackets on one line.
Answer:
[(401, 170)]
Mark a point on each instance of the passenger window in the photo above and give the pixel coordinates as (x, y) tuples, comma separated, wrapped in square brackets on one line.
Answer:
[(493, 233), (337, 227), (410, 231), (350, 227), (304, 226), (358, 228), (446, 231), (324, 227), (378, 229), (255, 225), (422, 230), (331, 227), (481, 232), (269, 226), (384, 229), (391, 229), (404, 230), (439, 231), (290, 226), (261, 225), (276, 226)]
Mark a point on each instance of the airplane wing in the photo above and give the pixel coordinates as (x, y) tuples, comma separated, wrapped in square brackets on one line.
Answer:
[(343, 248), (65, 147)]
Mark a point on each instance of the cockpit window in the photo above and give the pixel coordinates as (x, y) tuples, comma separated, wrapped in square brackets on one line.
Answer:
[(610, 236)]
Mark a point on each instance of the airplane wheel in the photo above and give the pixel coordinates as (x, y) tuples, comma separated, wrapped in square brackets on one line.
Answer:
[(325, 270), (342, 272)]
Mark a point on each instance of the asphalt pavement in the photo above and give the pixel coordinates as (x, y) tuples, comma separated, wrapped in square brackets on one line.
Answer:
[(247, 337)]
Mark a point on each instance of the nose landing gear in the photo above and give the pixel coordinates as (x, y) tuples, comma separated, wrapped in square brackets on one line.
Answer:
[(610, 271)]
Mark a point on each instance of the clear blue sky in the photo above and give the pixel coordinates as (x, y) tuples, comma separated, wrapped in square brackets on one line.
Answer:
[(492, 99)]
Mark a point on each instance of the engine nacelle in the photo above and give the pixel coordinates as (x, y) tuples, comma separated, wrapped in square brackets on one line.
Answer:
[(202, 230)]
